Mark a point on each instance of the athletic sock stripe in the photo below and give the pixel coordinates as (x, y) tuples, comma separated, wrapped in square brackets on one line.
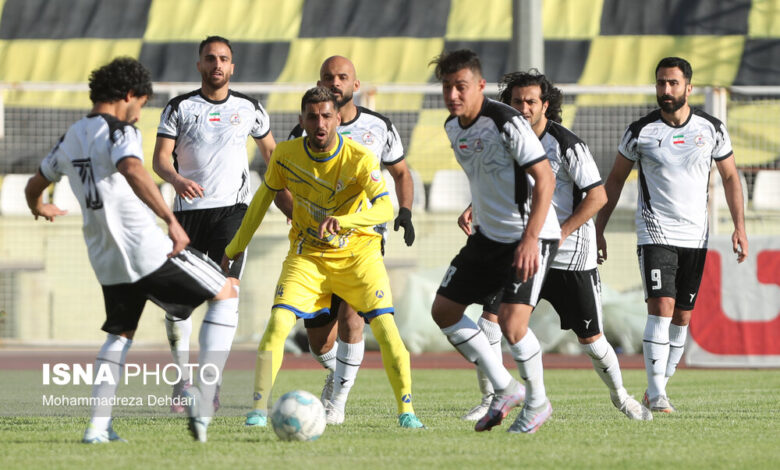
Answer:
[(465, 341), (347, 363), (520, 361), (219, 324), (678, 347), (654, 342), (109, 360)]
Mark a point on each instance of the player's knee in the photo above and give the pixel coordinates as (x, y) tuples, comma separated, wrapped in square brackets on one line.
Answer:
[(445, 312)]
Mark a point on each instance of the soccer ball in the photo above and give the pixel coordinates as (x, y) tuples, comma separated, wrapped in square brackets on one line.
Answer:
[(298, 416)]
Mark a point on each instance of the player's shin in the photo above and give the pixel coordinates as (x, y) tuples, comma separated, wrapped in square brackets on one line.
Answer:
[(472, 343), (349, 357), (216, 338), (528, 355), (655, 346), (270, 353), (493, 332), (605, 363), (395, 359), (677, 336), (110, 358)]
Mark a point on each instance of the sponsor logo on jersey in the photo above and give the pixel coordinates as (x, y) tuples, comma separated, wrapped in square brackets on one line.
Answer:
[(463, 144), (235, 119), (478, 145), (214, 117), (379, 294), (376, 176), (368, 138), (699, 140), (678, 139)]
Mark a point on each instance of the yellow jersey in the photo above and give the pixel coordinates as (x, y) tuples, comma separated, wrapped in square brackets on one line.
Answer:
[(345, 183)]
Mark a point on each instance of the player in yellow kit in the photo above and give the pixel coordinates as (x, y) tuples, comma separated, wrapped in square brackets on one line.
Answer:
[(338, 196)]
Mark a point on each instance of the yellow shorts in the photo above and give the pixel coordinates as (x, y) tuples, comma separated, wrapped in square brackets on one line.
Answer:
[(307, 282)]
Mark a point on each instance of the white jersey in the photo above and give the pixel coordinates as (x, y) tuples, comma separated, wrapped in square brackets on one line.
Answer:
[(210, 145), (674, 170), (575, 173), (123, 239), (372, 130), (494, 151)]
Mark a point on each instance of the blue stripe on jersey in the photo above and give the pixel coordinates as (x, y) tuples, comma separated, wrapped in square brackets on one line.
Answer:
[(380, 195), (300, 314), (333, 154)]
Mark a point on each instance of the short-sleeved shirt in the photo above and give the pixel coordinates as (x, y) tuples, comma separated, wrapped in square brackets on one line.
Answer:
[(210, 145), (575, 174), (343, 181), (674, 167), (371, 129), (495, 151), (123, 239)]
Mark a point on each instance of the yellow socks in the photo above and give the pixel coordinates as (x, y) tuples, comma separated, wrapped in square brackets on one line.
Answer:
[(395, 358), (269, 355)]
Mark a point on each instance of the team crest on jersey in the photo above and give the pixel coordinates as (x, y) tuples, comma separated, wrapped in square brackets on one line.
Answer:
[(478, 145), (379, 294), (699, 140), (368, 138), (235, 119), (376, 176)]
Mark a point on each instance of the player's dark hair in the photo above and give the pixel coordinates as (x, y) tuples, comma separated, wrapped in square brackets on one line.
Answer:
[(680, 63), (450, 62), (318, 94), (113, 81), (550, 94), (212, 39)]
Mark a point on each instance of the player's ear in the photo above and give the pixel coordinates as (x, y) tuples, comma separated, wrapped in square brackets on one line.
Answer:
[(356, 86)]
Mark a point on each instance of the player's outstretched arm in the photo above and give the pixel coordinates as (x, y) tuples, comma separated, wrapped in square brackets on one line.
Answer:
[(254, 215), (613, 187), (526, 260), (161, 163), (404, 189), (379, 213), (33, 192), (733, 189), (143, 186)]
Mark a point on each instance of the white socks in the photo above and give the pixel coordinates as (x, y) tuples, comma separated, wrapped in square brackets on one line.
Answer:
[(328, 360), (655, 346), (348, 360), (493, 333), (472, 343), (179, 331), (528, 356), (216, 338), (605, 362), (677, 336), (112, 356)]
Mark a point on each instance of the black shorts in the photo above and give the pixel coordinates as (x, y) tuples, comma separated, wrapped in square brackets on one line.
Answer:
[(483, 267), (178, 286), (575, 296), (672, 271), (210, 231)]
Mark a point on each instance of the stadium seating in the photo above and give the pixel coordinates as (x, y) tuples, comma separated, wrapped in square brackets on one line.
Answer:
[(766, 190), (449, 191), (64, 198), (12, 200)]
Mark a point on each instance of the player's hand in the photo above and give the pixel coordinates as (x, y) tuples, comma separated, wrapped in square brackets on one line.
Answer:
[(179, 237), (225, 263), (526, 262), (601, 248), (739, 243), (404, 220), (329, 226), (464, 221), (48, 212), (187, 189)]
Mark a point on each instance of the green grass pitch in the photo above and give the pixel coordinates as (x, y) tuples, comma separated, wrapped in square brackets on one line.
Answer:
[(725, 419)]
